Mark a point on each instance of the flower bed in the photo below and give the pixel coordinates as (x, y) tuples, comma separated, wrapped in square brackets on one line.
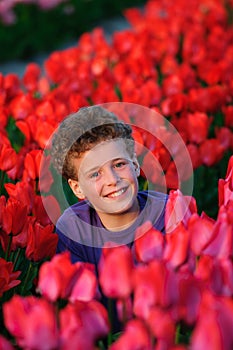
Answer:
[(29, 27), (175, 59)]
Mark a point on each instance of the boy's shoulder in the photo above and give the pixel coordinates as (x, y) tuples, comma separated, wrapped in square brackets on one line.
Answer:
[(152, 196), (80, 209)]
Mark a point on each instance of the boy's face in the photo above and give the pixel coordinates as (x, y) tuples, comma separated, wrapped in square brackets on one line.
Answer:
[(107, 177)]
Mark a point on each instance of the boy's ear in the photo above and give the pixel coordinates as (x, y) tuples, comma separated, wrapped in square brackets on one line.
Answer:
[(136, 165), (74, 185)]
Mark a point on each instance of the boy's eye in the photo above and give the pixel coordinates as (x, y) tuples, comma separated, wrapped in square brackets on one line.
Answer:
[(94, 175), (119, 164)]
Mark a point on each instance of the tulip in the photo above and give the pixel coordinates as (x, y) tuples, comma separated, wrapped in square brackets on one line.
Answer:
[(214, 325), (8, 276), (42, 242), (179, 208), (225, 187), (23, 319), (149, 243), (136, 336), (115, 272), (82, 323)]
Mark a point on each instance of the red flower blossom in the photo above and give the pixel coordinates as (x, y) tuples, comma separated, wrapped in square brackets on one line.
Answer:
[(8, 157), (115, 272), (59, 278), (136, 336), (176, 250), (8, 277), (153, 284), (22, 106), (41, 205), (164, 330), (23, 192), (31, 77), (215, 315), (149, 243), (201, 232), (56, 277), (42, 242), (211, 151), (32, 163), (179, 208), (5, 344), (221, 243), (198, 127), (23, 318), (14, 216), (225, 187), (82, 323)]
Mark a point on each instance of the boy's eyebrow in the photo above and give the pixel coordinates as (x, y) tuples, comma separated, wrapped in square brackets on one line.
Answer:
[(99, 166)]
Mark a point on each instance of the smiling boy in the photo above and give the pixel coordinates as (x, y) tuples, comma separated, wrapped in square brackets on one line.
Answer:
[(95, 152)]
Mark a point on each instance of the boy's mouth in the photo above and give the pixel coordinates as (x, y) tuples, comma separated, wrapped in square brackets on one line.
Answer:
[(116, 193)]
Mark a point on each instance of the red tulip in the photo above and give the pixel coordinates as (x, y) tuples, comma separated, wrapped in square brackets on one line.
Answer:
[(82, 323), (201, 232), (162, 326), (8, 277), (31, 76), (211, 151), (153, 284), (176, 250), (46, 209), (57, 276), (225, 187), (115, 272), (32, 322), (42, 242), (85, 286), (198, 127), (149, 243), (23, 192), (32, 163), (214, 326), (14, 216), (179, 208), (8, 157), (221, 243), (5, 344), (135, 336)]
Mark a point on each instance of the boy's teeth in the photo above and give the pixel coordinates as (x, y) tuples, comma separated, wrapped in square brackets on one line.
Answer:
[(118, 193)]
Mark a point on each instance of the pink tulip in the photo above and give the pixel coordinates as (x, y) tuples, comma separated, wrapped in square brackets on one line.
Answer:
[(225, 187), (214, 326), (149, 243), (115, 272), (82, 323), (32, 322), (136, 336), (179, 208)]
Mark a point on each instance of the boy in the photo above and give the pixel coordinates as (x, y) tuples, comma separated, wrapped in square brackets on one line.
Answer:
[(95, 152)]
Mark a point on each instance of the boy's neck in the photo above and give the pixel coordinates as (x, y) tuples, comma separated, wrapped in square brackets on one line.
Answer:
[(121, 221)]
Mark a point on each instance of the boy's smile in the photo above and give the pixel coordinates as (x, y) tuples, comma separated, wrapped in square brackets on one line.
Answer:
[(107, 178)]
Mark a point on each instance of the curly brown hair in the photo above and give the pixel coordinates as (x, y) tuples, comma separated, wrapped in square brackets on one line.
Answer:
[(81, 131)]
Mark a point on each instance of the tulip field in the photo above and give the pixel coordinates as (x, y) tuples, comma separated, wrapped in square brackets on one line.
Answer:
[(172, 291)]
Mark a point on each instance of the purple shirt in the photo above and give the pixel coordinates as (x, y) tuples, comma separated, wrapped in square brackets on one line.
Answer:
[(81, 232)]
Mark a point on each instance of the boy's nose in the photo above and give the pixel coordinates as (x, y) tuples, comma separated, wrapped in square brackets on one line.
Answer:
[(111, 177)]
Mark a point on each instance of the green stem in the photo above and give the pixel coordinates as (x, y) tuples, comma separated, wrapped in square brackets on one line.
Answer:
[(110, 317), (23, 287), (16, 259), (177, 338), (8, 249), (2, 178)]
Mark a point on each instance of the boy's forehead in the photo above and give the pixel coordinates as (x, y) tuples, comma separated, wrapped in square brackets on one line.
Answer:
[(103, 153)]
